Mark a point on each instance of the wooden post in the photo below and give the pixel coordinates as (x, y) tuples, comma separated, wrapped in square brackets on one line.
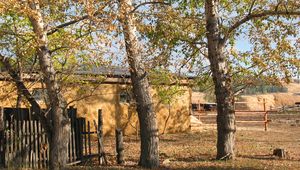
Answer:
[(266, 121), (265, 116), (100, 122), (119, 146), (2, 139), (100, 137)]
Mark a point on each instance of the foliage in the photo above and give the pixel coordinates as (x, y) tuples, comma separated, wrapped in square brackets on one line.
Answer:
[(166, 85), (74, 39), (273, 39)]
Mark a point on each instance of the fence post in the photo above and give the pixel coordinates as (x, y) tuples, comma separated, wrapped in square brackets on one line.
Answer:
[(2, 139), (119, 146), (100, 122), (265, 116), (100, 138)]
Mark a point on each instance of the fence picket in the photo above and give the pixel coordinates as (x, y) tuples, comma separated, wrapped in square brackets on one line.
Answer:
[(6, 143), (89, 138), (85, 137), (26, 142), (15, 141)]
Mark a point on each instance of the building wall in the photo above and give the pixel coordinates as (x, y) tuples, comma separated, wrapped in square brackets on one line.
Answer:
[(171, 118)]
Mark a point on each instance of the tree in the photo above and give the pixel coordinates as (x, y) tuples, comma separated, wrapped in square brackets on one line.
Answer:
[(212, 28), (59, 116), (149, 156), (43, 35)]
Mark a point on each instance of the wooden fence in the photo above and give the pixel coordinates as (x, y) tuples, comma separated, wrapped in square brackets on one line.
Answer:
[(24, 143), (242, 116)]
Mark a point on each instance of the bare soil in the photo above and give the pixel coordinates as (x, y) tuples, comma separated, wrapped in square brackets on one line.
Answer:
[(196, 150)]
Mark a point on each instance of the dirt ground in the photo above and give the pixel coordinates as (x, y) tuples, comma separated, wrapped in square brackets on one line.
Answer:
[(196, 150)]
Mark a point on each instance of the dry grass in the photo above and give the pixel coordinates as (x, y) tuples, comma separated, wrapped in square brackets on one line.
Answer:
[(197, 150)]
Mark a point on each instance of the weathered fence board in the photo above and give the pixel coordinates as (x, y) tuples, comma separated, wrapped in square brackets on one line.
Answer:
[(24, 142)]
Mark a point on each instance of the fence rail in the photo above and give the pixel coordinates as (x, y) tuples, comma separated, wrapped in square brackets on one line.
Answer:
[(261, 116)]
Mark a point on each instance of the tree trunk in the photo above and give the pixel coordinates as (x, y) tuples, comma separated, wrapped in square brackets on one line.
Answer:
[(223, 87), (149, 156), (19, 91), (58, 114)]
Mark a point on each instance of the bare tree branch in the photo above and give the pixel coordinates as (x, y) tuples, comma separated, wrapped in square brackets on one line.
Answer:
[(259, 15), (55, 29), (251, 7)]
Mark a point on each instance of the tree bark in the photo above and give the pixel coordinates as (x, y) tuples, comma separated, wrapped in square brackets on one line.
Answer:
[(58, 113), (149, 157), (226, 126), (19, 91)]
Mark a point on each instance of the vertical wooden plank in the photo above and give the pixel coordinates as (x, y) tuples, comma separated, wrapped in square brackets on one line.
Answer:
[(20, 142), (76, 128), (11, 140), (41, 148), (36, 141), (100, 137), (85, 137), (100, 126), (23, 147), (15, 140), (74, 117), (69, 146), (2, 138), (27, 144), (44, 149), (31, 143), (99, 144), (38, 125), (266, 121), (80, 138), (73, 141), (100, 122), (17, 149), (119, 146), (6, 133), (89, 138)]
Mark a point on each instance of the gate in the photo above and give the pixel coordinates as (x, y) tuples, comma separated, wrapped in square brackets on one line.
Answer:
[(24, 142)]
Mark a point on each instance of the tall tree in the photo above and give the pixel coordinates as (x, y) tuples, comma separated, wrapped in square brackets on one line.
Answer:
[(149, 156), (44, 34), (58, 112), (209, 30)]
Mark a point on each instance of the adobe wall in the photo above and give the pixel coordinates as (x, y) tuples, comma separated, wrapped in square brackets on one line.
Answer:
[(115, 113)]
